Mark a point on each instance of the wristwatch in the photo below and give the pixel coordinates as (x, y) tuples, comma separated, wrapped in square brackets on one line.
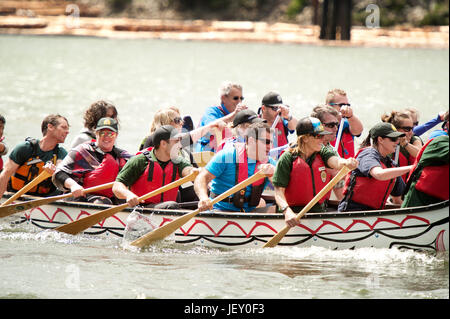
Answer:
[(283, 209)]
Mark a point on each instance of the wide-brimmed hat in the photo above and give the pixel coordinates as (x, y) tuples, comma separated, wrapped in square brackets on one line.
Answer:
[(384, 129), (310, 125)]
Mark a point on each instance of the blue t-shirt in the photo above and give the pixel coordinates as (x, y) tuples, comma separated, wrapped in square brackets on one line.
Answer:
[(223, 167), (212, 113)]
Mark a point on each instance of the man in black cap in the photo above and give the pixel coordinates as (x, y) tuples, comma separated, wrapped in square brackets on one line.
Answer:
[(241, 122), (153, 169), (278, 117)]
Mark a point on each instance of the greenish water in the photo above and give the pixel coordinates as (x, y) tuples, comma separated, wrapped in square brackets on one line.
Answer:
[(42, 75)]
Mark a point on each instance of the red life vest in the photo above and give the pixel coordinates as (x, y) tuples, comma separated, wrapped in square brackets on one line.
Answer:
[(106, 172), (433, 180), (306, 181), (155, 177), (368, 190), (346, 147), (405, 160), (226, 134), (281, 134), (1, 163), (242, 174)]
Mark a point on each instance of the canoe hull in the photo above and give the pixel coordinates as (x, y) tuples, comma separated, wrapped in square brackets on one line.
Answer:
[(423, 228)]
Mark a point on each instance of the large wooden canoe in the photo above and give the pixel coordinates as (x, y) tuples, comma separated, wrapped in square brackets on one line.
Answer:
[(423, 228)]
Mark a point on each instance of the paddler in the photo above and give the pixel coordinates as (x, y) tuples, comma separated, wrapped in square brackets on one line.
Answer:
[(233, 165), (29, 158), (369, 186), (230, 103), (153, 169), (301, 171), (93, 163)]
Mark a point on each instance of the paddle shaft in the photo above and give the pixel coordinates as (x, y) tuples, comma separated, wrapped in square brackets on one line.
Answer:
[(339, 135), (279, 236), (43, 175), (15, 208), (169, 228), (84, 223)]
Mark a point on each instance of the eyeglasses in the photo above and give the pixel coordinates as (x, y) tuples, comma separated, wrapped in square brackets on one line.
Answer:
[(266, 141), (238, 98), (340, 104), (317, 136), (416, 123), (393, 139), (107, 133), (406, 128), (275, 108), (331, 124), (178, 120)]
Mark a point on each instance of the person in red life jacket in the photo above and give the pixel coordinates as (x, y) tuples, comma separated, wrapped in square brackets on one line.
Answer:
[(233, 165), (241, 122), (278, 117), (409, 145), (301, 171), (230, 103), (31, 157), (91, 164), (369, 186), (428, 182), (328, 116), (3, 148), (153, 169), (353, 126), (92, 115)]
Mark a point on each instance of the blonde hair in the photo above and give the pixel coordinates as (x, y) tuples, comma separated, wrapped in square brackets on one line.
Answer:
[(164, 117), (331, 95), (395, 118), (413, 112), (299, 148)]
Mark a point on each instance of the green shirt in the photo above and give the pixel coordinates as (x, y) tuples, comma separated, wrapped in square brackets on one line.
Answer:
[(24, 150), (435, 154), (136, 166)]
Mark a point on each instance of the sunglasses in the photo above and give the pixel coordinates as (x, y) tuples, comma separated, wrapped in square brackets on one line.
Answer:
[(107, 133), (266, 141), (340, 104), (331, 124), (178, 120), (406, 128), (238, 98), (275, 108), (416, 123)]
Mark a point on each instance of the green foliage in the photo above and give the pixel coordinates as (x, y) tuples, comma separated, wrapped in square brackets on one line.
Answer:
[(119, 5), (437, 16), (294, 8)]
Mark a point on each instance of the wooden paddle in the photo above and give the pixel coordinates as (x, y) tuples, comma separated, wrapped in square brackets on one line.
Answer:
[(202, 158), (169, 228), (15, 208), (79, 225), (43, 175), (279, 236)]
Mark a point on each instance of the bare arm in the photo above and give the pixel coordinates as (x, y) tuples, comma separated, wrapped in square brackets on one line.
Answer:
[(384, 174), (336, 162), (9, 169), (201, 189), (121, 191), (280, 198)]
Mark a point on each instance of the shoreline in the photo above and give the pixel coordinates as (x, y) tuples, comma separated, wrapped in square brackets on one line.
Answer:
[(223, 31)]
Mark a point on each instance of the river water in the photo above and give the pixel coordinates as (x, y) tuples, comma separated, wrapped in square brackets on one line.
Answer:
[(42, 75)]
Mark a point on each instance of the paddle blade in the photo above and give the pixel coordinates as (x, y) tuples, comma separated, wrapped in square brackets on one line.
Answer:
[(163, 231), (277, 238)]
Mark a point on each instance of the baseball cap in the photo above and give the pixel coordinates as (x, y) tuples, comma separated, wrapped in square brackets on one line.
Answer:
[(310, 125), (272, 99), (384, 129), (247, 116), (165, 133), (107, 123)]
